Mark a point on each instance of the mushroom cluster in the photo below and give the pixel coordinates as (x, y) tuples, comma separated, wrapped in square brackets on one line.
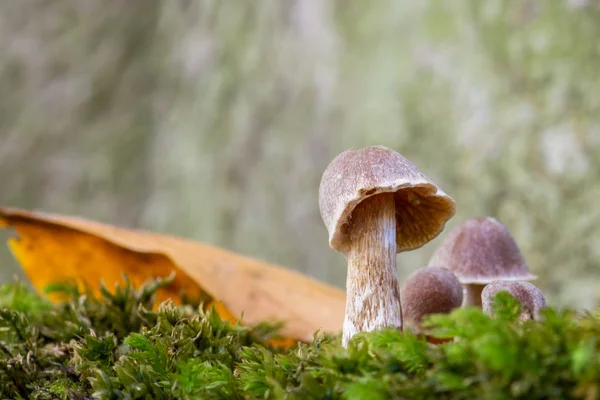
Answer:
[(375, 203)]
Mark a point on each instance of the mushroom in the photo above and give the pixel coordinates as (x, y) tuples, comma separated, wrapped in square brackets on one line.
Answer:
[(480, 251), (429, 290), (376, 203), (531, 298)]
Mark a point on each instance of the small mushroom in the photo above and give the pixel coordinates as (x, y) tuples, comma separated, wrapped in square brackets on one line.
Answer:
[(376, 203), (480, 251), (429, 290), (531, 298)]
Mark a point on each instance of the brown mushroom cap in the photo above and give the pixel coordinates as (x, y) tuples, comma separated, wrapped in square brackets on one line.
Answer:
[(531, 298), (429, 290), (480, 251), (422, 208)]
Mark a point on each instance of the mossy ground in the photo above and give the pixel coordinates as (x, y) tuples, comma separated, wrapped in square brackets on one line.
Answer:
[(117, 348)]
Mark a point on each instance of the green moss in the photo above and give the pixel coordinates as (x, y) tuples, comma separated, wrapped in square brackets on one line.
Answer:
[(117, 348), (19, 297)]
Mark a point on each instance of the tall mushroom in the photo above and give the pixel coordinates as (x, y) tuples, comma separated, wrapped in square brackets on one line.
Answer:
[(480, 251), (429, 290), (376, 203), (531, 298)]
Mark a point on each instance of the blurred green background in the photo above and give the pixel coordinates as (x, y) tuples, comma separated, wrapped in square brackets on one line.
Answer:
[(214, 120)]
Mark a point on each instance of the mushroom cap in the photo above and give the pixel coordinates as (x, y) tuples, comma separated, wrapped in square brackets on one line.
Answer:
[(422, 208), (429, 290), (480, 251), (531, 298)]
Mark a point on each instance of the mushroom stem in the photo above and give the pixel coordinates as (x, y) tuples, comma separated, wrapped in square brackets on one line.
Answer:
[(372, 289), (472, 294)]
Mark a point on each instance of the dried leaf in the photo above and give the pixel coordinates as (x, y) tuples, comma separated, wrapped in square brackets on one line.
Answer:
[(52, 248)]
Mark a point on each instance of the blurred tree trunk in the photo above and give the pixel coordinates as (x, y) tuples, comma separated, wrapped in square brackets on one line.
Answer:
[(215, 119), (83, 79)]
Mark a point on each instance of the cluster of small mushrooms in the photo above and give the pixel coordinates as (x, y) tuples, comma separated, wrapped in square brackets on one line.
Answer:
[(375, 203)]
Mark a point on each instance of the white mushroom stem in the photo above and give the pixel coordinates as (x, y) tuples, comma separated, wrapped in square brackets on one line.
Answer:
[(372, 290), (472, 294)]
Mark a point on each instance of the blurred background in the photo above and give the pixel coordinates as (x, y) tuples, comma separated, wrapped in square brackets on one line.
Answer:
[(214, 120)]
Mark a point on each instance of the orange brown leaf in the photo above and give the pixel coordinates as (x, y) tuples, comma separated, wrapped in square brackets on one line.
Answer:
[(53, 248)]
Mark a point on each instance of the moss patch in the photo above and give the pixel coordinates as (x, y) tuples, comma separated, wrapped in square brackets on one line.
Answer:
[(118, 348)]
